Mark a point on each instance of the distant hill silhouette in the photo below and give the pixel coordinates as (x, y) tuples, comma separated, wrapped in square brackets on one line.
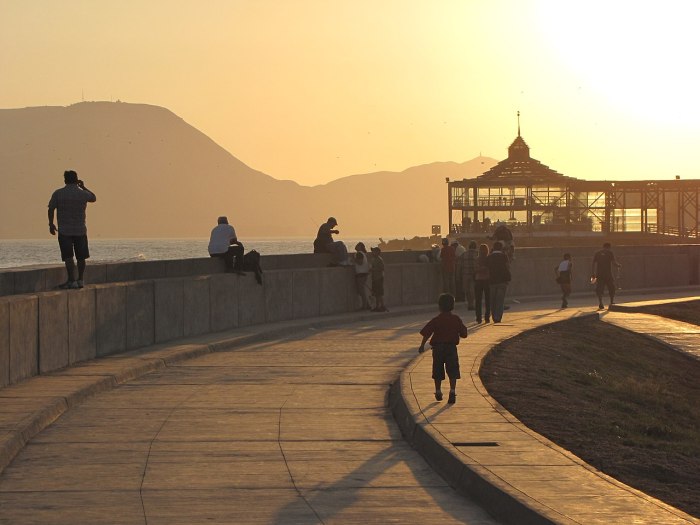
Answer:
[(157, 176)]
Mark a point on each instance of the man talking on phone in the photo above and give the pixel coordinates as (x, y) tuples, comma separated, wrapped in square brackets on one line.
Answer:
[(70, 203)]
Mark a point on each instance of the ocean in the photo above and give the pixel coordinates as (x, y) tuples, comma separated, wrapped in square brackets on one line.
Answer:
[(16, 253)]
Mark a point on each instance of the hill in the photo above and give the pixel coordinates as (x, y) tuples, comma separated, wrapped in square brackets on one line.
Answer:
[(156, 176)]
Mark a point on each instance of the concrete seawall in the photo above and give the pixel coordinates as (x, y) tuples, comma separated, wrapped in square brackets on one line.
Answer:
[(46, 331), (136, 304)]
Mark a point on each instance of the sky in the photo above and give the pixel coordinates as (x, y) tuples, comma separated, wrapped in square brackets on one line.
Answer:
[(314, 90)]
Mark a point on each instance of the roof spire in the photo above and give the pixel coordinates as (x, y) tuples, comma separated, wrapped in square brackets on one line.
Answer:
[(518, 123)]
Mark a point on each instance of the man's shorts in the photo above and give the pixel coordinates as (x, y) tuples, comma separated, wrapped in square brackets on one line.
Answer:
[(378, 287), (605, 282), (71, 243), (445, 359)]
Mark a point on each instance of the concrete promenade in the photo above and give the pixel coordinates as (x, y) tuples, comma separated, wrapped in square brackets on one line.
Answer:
[(277, 424)]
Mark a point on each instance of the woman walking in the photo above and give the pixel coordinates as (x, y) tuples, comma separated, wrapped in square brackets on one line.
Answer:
[(481, 284), (563, 271)]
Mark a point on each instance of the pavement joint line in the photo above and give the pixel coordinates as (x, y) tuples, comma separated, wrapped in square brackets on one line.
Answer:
[(19, 437), (15, 440)]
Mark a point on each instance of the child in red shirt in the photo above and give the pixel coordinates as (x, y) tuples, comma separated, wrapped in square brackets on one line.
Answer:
[(445, 329)]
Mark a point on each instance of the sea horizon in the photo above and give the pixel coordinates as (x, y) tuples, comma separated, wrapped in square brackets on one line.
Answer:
[(23, 253)]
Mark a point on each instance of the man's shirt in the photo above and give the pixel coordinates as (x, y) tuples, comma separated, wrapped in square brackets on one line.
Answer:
[(603, 261), (220, 238), (70, 203)]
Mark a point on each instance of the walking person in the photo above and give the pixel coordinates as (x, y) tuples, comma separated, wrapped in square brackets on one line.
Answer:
[(362, 267), (481, 285), (564, 272), (444, 332), (70, 203), (449, 263), (602, 274), (459, 270), (224, 243), (468, 267), (499, 277)]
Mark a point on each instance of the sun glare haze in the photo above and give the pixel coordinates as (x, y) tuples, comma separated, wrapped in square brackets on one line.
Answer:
[(313, 90)]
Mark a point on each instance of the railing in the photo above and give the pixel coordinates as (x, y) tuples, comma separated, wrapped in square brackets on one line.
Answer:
[(509, 202)]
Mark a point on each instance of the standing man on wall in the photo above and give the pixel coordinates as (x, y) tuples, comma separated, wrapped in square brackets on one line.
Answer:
[(602, 274), (70, 203)]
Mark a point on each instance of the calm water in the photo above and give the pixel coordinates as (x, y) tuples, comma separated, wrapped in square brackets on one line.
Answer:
[(29, 252)]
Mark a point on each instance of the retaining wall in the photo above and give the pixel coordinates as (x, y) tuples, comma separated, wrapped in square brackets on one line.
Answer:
[(47, 331), (138, 304)]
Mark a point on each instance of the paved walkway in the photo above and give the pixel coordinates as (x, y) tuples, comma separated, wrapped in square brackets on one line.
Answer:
[(680, 335), (288, 430), (294, 428)]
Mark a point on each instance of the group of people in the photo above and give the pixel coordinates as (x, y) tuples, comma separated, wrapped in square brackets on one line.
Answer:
[(488, 274), (483, 275), (365, 265), (366, 268), (602, 275)]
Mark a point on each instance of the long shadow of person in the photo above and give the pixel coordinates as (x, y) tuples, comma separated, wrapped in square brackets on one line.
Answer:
[(344, 482)]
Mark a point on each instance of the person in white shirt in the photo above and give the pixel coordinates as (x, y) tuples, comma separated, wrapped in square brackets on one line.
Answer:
[(362, 267), (224, 243)]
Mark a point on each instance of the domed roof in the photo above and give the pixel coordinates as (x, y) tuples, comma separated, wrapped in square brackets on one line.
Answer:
[(519, 168)]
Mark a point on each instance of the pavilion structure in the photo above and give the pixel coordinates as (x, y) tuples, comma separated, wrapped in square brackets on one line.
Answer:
[(531, 197)]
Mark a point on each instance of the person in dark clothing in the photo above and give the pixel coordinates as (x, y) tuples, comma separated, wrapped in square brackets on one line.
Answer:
[(444, 332), (481, 285), (324, 243), (602, 274), (468, 268), (448, 260), (377, 273), (505, 236), (70, 203), (499, 277)]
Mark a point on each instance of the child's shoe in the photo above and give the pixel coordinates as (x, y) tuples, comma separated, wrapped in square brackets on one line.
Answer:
[(438, 395), (452, 398)]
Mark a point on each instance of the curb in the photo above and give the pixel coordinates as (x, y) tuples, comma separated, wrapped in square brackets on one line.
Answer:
[(473, 481), (494, 494)]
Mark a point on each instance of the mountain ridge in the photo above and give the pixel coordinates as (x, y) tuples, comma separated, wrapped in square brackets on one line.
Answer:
[(155, 175)]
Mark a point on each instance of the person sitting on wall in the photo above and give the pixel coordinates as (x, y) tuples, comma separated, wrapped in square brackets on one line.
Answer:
[(324, 242), (224, 243)]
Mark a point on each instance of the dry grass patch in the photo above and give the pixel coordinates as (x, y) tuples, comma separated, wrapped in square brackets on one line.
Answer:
[(625, 404)]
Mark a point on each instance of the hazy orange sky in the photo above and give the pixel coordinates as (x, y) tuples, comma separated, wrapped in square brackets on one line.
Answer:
[(313, 90)]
